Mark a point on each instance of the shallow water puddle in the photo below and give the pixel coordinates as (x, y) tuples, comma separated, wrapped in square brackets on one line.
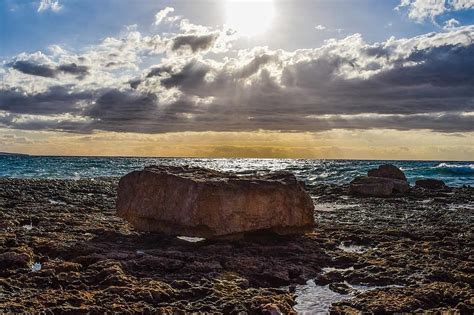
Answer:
[(364, 288), (358, 249), (329, 269), (332, 206), (28, 227), (317, 299), (36, 267), (56, 202), (191, 239)]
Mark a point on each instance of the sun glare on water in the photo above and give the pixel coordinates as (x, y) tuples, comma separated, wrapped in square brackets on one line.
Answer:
[(249, 17)]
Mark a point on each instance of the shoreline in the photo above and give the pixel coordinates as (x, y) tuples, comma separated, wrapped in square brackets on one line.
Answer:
[(63, 249)]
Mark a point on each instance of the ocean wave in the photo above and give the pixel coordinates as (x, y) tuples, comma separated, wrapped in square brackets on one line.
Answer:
[(455, 169)]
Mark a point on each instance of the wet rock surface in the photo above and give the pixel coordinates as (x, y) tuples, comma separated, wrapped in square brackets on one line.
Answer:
[(63, 250), (430, 183)]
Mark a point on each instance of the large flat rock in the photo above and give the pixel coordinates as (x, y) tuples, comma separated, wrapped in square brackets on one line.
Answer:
[(205, 203), (377, 186)]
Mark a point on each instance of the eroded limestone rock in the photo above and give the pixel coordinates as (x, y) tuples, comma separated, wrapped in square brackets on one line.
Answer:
[(205, 203)]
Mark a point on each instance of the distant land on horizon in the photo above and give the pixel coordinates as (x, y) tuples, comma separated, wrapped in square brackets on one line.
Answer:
[(13, 153)]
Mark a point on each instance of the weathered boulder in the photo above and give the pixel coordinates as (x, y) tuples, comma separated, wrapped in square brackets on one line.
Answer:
[(380, 182), (205, 203), (377, 186), (430, 183), (387, 171)]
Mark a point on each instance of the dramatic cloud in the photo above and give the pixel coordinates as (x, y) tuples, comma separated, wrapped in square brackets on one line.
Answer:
[(420, 10), (163, 16), (191, 79), (32, 68), (194, 42), (52, 5)]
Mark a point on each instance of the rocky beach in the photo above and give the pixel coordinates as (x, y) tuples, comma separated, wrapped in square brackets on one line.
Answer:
[(64, 250)]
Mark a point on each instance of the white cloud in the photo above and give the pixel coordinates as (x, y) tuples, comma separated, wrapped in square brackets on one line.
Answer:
[(450, 24), (52, 5), (163, 16), (320, 27), (420, 10), (462, 4)]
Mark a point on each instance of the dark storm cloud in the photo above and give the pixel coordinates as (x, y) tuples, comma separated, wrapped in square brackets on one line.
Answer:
[(52, 124), (74, 69), (33, 68), (57, 100), (253, 66), (189, 77), (120, 105), (195, 42), (37, 69), (158, 71)]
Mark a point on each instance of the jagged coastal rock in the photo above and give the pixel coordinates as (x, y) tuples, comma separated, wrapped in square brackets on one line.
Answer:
[(199, 202), (92, 262), (383, 181)]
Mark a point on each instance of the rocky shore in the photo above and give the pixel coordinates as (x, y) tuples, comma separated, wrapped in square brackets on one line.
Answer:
[(64, 250)]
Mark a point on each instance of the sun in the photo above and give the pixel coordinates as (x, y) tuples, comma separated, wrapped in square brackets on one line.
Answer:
[(249, 17)]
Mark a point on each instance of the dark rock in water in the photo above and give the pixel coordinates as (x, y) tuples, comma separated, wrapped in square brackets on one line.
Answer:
[(380, 182), (387, 171), (205, 203), (430, 183), (377, 186)]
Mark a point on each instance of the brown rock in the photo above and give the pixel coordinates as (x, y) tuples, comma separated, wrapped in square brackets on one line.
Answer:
[(430, 183), (387, 171), (377, 186), (380, 182), (205, 203), (15, 259)]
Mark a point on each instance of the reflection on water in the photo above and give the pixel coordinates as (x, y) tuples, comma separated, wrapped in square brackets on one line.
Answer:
[(317, 299), (310, 171)]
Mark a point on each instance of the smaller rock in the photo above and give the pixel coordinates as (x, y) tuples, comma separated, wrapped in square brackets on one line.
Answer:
[(14, 259), (340, 287), (271, 309), (377, 186), (387, 171), (430, 183)]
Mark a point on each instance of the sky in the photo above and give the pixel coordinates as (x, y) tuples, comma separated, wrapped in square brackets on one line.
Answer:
[(364, 79)]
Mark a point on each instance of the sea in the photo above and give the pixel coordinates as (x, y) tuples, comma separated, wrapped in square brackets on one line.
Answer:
[(308, 170)]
